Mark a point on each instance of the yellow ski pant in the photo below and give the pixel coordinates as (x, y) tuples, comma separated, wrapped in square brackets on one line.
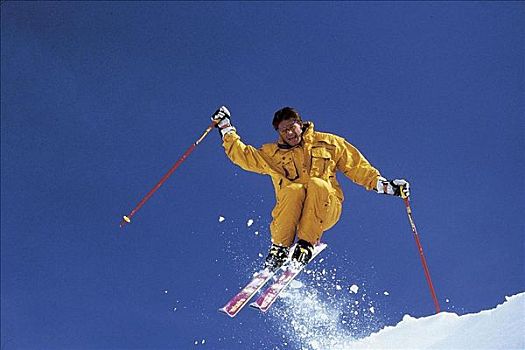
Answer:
[(306, 209)]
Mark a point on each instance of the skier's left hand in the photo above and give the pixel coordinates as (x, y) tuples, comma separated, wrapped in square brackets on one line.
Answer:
[(393, 187)]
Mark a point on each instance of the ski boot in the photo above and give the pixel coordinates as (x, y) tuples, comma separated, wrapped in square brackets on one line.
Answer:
[(302, 253), (276, 257)]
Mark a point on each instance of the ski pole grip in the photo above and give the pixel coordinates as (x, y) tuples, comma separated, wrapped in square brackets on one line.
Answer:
[(402, 192)]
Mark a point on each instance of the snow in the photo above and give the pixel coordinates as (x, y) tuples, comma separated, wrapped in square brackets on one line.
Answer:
[(221, 218), (333, 328), (328, 312), (322, 311), (499, 328), (295, 284), (203, 341), (354, 288)]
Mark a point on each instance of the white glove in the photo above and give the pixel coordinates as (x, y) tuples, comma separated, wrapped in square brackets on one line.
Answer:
[(393, 187), (222, 117)]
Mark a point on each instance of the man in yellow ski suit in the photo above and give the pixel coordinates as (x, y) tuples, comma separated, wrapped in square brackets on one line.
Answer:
[(302, 165)]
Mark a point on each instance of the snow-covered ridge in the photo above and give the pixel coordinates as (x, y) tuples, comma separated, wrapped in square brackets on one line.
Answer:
[(500, 328)]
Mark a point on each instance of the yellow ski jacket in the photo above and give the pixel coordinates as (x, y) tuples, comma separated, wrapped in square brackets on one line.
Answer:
[(318, 155)]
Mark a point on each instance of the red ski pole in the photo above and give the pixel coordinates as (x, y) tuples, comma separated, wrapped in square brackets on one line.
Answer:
[(406, 199), (126, 219)]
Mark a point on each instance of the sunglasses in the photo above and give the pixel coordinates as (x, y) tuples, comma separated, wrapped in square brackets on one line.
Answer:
[(290, 127)]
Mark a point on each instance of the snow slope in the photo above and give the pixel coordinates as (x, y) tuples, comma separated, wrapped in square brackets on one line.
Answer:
[(499, 328)]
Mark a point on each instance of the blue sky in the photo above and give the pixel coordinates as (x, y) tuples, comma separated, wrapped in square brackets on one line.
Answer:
[(99, 99)]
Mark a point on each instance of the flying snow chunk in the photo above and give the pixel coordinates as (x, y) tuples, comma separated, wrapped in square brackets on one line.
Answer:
[(386, 293), (295, 284), (249, 223), (354, 288), (372, 310), (221, 218), (338, 287)]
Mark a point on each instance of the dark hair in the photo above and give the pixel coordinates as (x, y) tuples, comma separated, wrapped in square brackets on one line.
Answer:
[(285, 113)]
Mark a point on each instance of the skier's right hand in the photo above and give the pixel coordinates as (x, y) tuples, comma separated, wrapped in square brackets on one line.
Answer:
[(222, 119), (221, 114)]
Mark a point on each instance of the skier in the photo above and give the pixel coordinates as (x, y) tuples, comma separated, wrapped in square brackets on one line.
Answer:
[(302, 165)]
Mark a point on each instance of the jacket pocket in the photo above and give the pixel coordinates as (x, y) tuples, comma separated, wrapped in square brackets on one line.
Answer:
[(290, 170), (320, 161)]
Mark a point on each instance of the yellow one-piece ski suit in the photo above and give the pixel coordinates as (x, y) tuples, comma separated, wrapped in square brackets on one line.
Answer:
[(309, 198)]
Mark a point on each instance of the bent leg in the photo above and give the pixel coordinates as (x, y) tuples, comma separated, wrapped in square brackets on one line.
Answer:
[(322, 209), (286, 214)]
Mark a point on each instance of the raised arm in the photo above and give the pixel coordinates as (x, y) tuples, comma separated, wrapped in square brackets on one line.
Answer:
[(247, 157)]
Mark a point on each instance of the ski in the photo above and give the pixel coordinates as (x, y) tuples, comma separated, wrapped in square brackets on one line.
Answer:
[(259, 279), (240, 300), (270, 295)]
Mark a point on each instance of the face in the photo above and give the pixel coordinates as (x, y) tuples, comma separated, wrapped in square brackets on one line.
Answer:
[(290, 131)]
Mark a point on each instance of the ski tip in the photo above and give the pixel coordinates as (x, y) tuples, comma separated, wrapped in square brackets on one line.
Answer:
[(255, 306), (223, 311)]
